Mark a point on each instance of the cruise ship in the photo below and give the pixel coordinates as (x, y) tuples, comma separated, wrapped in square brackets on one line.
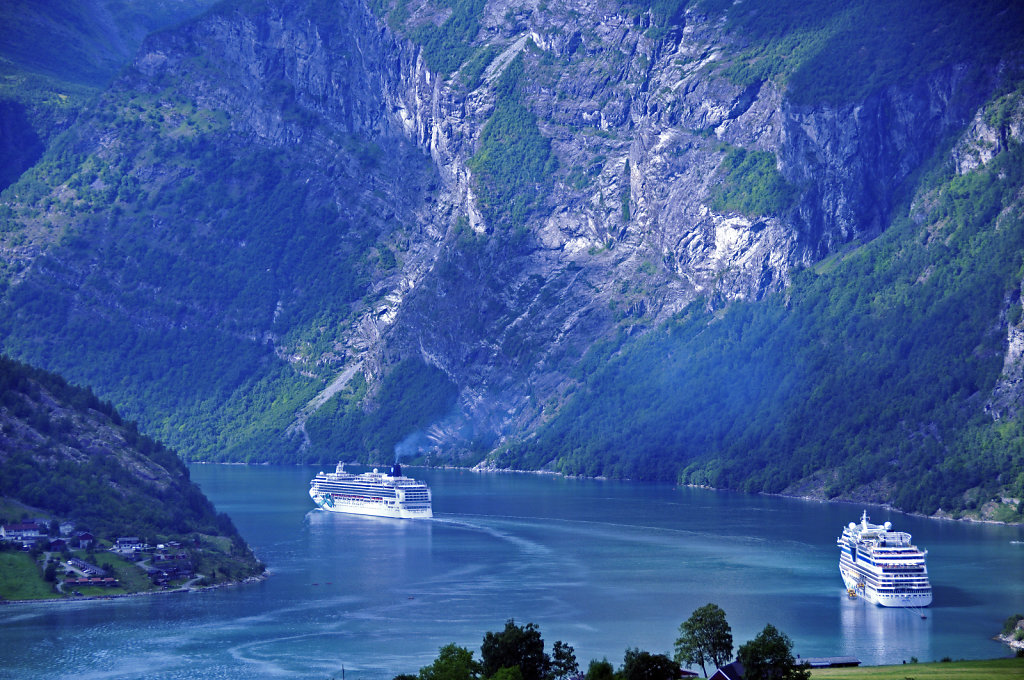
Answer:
[(371, 493), (883, 566)]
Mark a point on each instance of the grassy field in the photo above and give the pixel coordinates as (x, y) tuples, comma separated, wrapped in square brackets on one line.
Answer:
[(131, 577), (20, 578), (989, 669), (12, 511)]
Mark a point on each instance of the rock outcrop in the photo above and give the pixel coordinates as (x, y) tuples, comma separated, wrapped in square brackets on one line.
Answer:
[(639, 121)]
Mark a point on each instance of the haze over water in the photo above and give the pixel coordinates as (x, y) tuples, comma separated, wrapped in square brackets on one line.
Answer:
[(601, 565)]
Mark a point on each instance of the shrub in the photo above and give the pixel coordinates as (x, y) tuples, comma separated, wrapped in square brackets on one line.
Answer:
[(752, 185)]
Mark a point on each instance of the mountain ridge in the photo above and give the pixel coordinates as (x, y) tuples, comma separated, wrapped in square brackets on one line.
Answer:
[(271, 196)]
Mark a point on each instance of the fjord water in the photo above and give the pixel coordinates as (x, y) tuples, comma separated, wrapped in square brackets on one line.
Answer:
[(601, 565)]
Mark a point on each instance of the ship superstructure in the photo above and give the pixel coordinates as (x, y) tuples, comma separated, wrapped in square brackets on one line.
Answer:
[(371, 493), (883, 566)]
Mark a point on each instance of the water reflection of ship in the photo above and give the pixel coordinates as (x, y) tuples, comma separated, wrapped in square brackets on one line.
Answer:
[(879, 635), (334, 538)]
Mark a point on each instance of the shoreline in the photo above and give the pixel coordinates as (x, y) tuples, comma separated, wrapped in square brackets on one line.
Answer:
[(143, 593), (1016, 646), (816, 499), (480, 468), (886, 506)]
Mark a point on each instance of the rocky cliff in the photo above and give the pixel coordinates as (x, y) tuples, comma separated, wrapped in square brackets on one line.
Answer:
[(277, 198)]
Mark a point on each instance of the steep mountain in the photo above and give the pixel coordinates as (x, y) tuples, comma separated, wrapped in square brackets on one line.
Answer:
[(770, 246), (65, 452), (57, 55)]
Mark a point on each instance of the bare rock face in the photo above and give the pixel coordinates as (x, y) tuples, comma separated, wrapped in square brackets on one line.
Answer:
[(643, 121), (990, 131), (854, 158), (1008, 396), (625, 235)]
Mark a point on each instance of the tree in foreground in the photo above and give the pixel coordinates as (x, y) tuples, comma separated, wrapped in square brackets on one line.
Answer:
[(507, 674), (705, 638), (640, 665), (563, 661), (769, 656), (452, 663), (519, 647), (600, 670)]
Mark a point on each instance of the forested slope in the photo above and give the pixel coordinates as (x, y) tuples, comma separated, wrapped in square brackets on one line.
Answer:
[(871, 377), (772, 246), (56, 56), (65, 452)]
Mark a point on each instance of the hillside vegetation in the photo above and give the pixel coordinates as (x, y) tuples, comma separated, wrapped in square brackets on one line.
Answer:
[(67, 455), (768, 246), (55, 56), (867, 377), (825, 51)]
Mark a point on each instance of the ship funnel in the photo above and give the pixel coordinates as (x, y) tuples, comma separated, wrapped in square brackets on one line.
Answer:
[(396, 470)]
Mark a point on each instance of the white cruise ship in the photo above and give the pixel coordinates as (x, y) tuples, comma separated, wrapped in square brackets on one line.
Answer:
[(371, 493), (883, 566)]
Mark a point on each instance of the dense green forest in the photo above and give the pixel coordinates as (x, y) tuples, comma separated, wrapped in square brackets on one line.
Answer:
[(67, 453), (55, 57), (447, 43), (873, 366), (513, 163), (841, 52), (751, 184)]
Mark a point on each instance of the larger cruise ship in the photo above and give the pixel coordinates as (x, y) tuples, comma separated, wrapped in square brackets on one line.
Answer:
[(883, 566), (371, 493)]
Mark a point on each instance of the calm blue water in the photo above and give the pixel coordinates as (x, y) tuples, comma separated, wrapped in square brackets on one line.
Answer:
[(601, 565)]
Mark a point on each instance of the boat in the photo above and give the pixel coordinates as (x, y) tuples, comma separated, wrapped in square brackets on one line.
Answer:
[(883, 566), (371, 493)]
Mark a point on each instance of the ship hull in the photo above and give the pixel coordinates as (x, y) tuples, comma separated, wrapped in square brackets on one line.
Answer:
[(855, 584)]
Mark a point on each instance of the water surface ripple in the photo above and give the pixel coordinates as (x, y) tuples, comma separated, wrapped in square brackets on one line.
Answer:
[(601, 565)]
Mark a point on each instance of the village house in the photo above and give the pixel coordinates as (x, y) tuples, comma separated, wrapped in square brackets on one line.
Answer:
[(84, 539), (127, 544), (27, 533), (107, 582), (171, 567), (732, 671)]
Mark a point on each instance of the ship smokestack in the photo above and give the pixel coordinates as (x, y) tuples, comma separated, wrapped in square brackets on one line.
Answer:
[(396, 470)]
